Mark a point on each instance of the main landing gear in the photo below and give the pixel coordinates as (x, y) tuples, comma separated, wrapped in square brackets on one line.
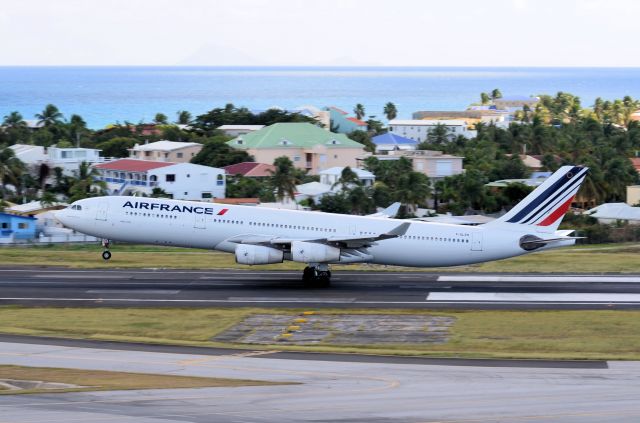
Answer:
[(317, 275), (106, 254)]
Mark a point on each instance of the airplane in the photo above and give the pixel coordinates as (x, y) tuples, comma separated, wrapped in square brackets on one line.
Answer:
[(265, 236)]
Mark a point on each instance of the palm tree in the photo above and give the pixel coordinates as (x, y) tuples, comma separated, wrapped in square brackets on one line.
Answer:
[(484, 98), (47, 199), (390, 111), (86, 184), (49, 116), (284, 178), (359, 111), (14, 120), (77, 126), (347, 178), (495, 94), (11, 170), (184, 117), (413, 188), (160, 119)]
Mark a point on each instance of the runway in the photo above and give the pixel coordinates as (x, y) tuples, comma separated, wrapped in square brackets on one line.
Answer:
[(232, 288), (326, 390)]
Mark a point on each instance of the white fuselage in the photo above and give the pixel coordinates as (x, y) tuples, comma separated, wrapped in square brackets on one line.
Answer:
[(210, 226)]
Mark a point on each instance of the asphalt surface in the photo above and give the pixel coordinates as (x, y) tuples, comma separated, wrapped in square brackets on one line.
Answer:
[(211, 288), (323, 390)]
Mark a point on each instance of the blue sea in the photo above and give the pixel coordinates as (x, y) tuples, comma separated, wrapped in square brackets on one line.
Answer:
[(104, 95)]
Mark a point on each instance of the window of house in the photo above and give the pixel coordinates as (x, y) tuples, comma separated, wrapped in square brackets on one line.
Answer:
[(296, 158), (166, 155), (23, 225), (153, 178), (147, 153), (206, 195), (5, 225), (220, 180), (170, 177), (179, 155)]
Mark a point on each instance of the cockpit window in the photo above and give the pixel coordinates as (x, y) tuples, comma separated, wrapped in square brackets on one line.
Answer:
[(76, 207)]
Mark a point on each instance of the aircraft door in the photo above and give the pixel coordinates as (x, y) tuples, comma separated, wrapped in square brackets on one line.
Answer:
[(101, 214), (352, 230), (476, 241), (199, 222)]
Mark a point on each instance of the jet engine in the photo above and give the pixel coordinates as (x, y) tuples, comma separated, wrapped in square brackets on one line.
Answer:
[(257, 254), (310, 252)]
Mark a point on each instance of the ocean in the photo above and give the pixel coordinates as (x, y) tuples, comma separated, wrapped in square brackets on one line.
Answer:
[(104, 95)]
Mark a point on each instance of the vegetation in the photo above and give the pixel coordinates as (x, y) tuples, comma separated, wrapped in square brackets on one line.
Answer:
[(604, 335), (101, 380)]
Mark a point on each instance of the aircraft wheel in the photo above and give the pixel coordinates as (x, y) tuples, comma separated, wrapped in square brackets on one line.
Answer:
[(308, 274), (106, 254), (323, 279)]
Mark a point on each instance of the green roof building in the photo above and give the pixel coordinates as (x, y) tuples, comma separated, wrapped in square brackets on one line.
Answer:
[(308, 146)]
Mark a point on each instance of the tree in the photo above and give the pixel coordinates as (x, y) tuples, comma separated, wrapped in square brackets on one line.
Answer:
[(11, 170), (86, 184), (495, 94), (117, 147), (77, 128), (438, 135), (158, 192), (363, 138), (217, 153), (160, 119), (359, 111), (348, 178), (14, 120), (184, 117), (284, 178), (50, 116), (47, 199), (390, 111), (484, 98)]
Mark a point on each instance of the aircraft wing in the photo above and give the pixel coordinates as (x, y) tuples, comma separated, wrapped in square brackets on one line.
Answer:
[(347, 241)]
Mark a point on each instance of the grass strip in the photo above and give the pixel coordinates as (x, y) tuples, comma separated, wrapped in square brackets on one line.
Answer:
[(99, 380), (592, 334), (619, 258)]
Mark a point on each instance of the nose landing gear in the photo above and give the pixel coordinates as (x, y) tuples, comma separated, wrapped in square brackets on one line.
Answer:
[(106, 254), (317, 276)]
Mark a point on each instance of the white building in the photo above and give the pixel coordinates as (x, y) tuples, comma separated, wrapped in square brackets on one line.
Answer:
[(166, 151), (419, 129), (68, 159), (332, 175), (182, 181), (237, 130)]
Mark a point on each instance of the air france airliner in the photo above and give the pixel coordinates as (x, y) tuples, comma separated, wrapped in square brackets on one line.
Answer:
[(264, 236)]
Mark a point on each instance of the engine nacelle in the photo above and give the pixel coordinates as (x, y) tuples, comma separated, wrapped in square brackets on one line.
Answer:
[(310, 252), (257, 254)]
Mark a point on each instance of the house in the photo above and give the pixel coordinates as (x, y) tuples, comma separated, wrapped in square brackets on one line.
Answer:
[(332, 176), (14, 227), (166, 151), (237, 130), (516, 102), (182, 181), (633, 195), (434, 164), (321, 116), (635, 161), (418, 130), (342, 123), (612, 212), (34, 207), (309, 147), (314, 191), (250, 169), (390, 142), (66, 158)]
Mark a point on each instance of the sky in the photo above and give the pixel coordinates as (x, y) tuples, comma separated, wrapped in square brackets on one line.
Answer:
[(320, 32)]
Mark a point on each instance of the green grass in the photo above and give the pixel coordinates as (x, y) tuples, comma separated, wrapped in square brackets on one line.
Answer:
[(486, 334), (583, 259), (98, 380)]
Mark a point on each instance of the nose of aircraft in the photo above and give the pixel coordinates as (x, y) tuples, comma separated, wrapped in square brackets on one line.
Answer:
[(57, 215)]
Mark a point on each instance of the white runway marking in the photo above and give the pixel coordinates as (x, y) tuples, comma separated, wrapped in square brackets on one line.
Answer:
[(558, 278), (72, 276), (128, 291), (579, 297)]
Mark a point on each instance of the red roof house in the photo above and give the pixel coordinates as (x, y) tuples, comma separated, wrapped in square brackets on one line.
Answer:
[(250, 169)]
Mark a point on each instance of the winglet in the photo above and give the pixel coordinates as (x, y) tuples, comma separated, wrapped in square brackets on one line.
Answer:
[(399, 230)]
